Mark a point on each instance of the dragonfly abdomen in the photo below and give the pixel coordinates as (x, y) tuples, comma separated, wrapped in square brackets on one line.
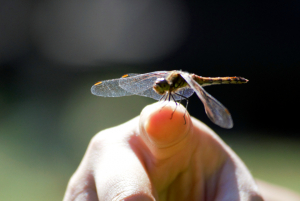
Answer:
[(206, 81)]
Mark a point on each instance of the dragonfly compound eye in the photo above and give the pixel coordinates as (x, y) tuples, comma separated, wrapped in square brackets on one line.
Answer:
[(161, 86)]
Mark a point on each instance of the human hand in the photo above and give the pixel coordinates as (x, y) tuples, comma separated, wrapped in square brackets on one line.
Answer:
[(156, 157)]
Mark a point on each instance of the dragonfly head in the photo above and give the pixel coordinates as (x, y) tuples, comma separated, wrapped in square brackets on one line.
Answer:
[(161, 86)]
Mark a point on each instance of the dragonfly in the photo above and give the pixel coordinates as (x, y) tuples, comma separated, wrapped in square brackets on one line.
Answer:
[(172, 85)]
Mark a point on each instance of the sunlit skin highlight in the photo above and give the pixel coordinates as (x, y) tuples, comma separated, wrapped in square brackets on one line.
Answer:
[(160, 124)]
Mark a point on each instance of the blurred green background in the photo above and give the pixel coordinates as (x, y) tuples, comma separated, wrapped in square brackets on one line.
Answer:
[(52, 52)]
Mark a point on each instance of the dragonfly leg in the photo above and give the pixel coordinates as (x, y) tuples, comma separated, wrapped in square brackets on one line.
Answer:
[(175, 106), (166, 97), (162, 97), (187, 102)]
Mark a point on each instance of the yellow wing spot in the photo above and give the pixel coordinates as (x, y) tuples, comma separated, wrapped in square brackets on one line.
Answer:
[(126, 75), (97, 83)]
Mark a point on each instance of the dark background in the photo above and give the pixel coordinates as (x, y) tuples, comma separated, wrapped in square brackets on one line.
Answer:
[(257, 40), (52, 52)]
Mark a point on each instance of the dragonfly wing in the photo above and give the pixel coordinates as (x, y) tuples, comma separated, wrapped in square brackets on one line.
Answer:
[(216, 112), (109, 88), (147, 93), (185, 92), (150, 93), (140, 83)]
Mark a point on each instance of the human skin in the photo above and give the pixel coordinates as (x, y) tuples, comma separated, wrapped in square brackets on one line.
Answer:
[(160, 156)]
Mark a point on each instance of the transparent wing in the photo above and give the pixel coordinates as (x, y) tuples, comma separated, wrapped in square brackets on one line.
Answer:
[(135, 84), (216, 112), (140, 83), (150, 93), (147, 93), (111, 88), (186, 92)]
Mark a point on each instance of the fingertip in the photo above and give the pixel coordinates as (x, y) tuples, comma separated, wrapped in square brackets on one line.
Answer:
[(165, 123)]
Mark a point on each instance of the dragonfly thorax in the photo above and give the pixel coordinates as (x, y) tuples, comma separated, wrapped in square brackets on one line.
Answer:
[(170, 84)]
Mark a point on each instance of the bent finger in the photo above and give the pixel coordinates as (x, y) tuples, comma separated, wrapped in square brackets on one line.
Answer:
[(82, 185), (119, 171)]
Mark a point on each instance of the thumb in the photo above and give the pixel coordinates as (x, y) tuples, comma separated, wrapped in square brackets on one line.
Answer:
[(165, 128)]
